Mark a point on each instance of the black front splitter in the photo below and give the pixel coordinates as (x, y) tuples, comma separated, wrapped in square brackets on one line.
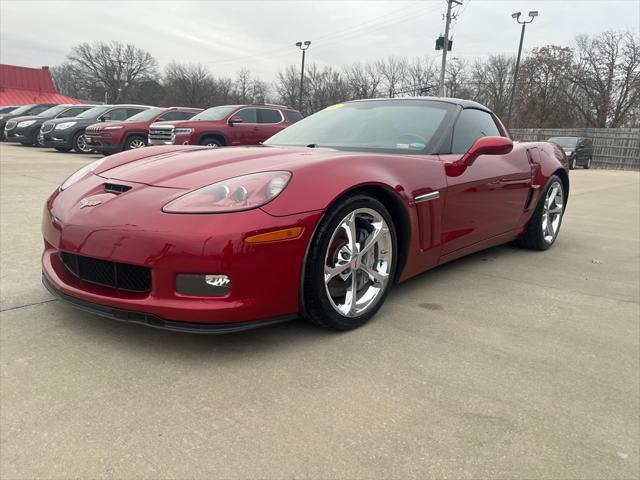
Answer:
[(150, 320)]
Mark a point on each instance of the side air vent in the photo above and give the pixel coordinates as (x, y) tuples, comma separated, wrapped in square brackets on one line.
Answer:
[(115, 188)]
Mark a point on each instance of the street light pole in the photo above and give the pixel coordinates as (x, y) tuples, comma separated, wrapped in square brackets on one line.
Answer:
[(302, 46), (533, 14)]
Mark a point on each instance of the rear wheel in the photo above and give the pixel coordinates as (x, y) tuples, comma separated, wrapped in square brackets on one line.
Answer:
[(542, 230), (351, 264), (79, 143), (135, 141), (211, 142), (588, 164), (574, 163)]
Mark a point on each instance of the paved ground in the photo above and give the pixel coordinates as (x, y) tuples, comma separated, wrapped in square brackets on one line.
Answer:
[(506, 364)]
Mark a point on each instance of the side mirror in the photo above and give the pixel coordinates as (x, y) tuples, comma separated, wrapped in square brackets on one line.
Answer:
[(233, 120), (104, 118), (487, 146)]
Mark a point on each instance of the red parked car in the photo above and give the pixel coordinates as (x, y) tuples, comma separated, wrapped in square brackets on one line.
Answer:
[(227, 125), (112, 137), (318, 222)]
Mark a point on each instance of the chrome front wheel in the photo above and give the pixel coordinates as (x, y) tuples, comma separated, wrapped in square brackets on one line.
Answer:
[(552, 211), (358, 262)]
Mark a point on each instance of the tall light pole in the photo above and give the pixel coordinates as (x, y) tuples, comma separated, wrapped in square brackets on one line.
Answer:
[(446, 45), (302, 46), (532, 14)]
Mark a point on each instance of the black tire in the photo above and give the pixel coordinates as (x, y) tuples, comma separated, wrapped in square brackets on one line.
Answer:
[(211, 141), (573, 164), (133, 141), (35, 139), (63, 149), (317, 306), (533, 237), (77, 143), (587, 165)]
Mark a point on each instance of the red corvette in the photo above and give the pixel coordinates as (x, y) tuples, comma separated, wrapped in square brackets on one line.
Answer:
[(318, 222)]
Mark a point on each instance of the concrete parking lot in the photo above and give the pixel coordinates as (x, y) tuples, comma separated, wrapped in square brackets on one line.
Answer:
[(505, 364)]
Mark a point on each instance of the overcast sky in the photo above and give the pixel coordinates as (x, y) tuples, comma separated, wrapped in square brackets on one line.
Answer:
[(261, 34)]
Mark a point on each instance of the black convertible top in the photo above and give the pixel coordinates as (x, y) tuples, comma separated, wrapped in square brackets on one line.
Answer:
[(455, 101)]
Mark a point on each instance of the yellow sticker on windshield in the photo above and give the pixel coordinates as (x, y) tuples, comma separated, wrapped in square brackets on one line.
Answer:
[(335, 107)]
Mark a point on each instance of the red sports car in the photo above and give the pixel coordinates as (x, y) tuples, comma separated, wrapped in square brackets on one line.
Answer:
[(319, 222)]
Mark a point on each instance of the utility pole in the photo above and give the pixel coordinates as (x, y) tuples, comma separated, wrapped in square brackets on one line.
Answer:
[(446, 45), (533, 14), (302, 46)]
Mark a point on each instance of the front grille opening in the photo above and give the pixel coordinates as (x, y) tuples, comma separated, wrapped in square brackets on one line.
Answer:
[(115, 188), (121, 276)]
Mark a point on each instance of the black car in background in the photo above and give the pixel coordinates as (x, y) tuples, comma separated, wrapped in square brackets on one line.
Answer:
[(26, 129), (31, 109), (579, 150), (65, 134)]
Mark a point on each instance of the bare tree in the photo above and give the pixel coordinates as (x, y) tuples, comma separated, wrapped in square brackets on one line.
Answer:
[(287, 86), (65, 77), (421, 76), (113, 67), (393, 71), (188, 85), (605, 80), (491, 82), (363, 80), (323, 87)]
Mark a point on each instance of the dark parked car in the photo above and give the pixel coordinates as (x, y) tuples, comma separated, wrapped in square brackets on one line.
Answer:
[(65, 134), (226, 125), (26, 129), (112, 137), (579, 150), (31, 109)]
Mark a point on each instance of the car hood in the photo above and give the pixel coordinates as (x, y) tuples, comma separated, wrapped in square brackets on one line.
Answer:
[(30, 117), (192, 167), (83, 121), (111, 123)]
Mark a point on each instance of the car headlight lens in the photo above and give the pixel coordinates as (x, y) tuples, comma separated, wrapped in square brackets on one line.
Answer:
[(80, 174), (232, 195), (113, 127), (568, 152), (65, 125), (26, 123), (183, 131)]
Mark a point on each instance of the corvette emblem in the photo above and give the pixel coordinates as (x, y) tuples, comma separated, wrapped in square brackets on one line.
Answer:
[(85, 202)]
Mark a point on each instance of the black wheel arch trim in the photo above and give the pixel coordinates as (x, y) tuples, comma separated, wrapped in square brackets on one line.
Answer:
[(213, 134)]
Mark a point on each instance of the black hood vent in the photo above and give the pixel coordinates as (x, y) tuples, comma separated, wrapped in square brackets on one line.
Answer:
[(116, 188)]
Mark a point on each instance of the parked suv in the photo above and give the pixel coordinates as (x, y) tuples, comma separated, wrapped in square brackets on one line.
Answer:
[(65, 134), (26, 129), (31, 109), (112, 137), (226, 125), (579, 150)]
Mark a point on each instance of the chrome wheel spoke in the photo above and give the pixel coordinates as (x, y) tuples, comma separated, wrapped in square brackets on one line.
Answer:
[(552, 211), (358, 261)]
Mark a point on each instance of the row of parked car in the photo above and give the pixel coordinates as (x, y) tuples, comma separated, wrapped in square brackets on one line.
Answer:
[(113, 128)]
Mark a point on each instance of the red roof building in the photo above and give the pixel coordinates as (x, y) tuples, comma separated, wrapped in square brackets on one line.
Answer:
[(23, 85)]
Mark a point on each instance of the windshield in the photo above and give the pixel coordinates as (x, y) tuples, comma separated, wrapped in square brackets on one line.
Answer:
[(399, 125), (215, 113), (53, 111), (146, 115), (7, 109), (93, 112), (565, 142), (22, 109)]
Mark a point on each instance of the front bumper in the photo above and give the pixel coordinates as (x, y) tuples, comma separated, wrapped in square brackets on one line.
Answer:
[(265, 278), (56, 138), (13, 136), (22, 135), (103, 145)]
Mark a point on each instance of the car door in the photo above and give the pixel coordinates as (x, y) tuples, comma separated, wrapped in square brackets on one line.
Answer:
[(246, 132), (270, 122), (489, 197)]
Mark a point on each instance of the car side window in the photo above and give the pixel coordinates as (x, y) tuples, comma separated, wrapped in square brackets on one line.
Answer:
[(248, 115), (176, 115), (132, 111), (40, 109), (72, 112), (117, 114), (268, 115), (471, 125), (293, 117)]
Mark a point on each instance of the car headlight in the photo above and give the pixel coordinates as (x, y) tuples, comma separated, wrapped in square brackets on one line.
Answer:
[(568, 152), (183, 131), (232, 195), (80, 174), (65, 125), (113, 127), (26, 123)]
